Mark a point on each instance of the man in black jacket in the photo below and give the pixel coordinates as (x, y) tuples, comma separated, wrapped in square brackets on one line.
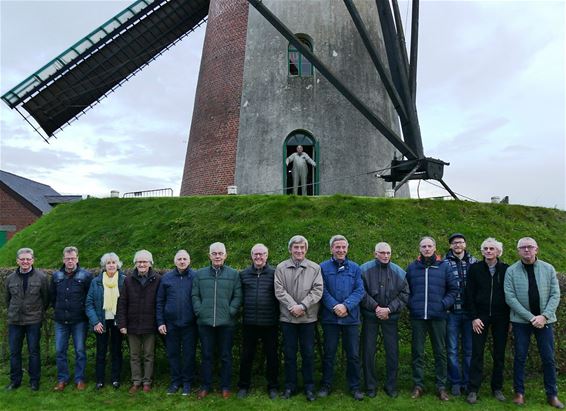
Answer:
[(260, 318), (485, 301), (27, 298)]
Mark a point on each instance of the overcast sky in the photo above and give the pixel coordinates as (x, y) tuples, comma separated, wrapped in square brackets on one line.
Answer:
[(491, 101)]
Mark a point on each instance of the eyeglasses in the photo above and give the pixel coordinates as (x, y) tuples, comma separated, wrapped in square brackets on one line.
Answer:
[(259, 254), (69, 258), (217, 253), (458, 242), (384, 252), (527, 247), (25, 259)]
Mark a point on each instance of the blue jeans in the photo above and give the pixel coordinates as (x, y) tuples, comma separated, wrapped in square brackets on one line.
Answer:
[(545, 342), (458, 331), (181, 345), (62, 334), (351, 344), (16, 334), (293, 336), (210, 339)]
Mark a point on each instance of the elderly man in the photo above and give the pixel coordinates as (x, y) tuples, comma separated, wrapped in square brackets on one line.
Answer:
[(27, 298), (485, 302), (69, 288), (300, 159), (387, 293), (459, 323), (216, 295), (136, 319), (177, 322), (260, 321), (341, 299), (298, 287), (433, 290), (532, 293)]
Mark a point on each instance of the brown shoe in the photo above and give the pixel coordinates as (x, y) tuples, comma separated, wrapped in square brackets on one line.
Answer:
[(60, 386), (81, 386), (519, 399), (133, 389), (226, 394), (555, 402), (201, 394), (443, 395), (417, 392), (147, 388)]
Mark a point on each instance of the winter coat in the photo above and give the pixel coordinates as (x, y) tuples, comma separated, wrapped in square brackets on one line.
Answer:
[(68, 295), (95, 300), (485, 293), (29, 307), (260, 306), (174, 306), (459, 269)]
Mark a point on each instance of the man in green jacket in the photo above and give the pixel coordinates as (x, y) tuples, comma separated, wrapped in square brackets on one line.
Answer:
[(216, 295), (532, 293)]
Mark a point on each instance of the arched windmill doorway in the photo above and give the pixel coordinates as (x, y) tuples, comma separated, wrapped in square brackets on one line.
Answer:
[(310, 147)]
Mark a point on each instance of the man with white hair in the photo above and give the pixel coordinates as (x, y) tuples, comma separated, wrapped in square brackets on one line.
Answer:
[(177, 322), (216, 296), (298, 287), (485, 302), (533, 294), (300, 161), (136, 319)]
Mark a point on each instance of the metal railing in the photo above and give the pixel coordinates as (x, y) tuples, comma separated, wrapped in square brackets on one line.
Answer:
[(160, 192)]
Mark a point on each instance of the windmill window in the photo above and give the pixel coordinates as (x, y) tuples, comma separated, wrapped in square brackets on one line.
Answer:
[(299, 66)]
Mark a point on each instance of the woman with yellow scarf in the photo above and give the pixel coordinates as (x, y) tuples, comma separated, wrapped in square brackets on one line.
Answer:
[(101, 305)]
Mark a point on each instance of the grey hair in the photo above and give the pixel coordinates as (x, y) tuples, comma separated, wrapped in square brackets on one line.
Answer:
[(143, 252), (217, 246), (297, 239), (258, 245), (70, 249), (496, 244), (181, 252), (426, 237), (338, 237), (380, 245), (24, 250), (110, 257), (530, 239)]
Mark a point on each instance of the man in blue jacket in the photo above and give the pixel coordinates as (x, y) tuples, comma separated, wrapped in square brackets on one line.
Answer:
[(177, 322), (340, 315), (432, 292), (69, 288)]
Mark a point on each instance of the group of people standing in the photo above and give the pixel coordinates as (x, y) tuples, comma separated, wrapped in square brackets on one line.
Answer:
[(454, 300)]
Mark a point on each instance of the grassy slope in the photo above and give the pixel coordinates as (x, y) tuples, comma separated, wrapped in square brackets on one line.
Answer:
[(163, 225)]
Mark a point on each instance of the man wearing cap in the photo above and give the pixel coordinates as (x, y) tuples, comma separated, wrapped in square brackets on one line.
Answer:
[(459, 323), (533, 294)]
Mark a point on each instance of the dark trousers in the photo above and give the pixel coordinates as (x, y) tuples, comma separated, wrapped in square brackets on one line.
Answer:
[(390, 333), (210, 339), (112, 334), (32, 334), (181, 346), (545, 342), (251, 335), (351, 344), (295, 335), (437, 332), (499, 329)]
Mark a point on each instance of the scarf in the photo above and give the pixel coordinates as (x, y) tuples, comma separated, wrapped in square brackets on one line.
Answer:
[(111, 292)]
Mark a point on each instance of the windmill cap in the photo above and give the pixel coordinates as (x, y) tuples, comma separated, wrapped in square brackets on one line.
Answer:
[(454, 236)]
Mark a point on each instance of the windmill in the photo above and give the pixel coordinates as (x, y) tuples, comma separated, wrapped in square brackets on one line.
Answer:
[(80, 77)]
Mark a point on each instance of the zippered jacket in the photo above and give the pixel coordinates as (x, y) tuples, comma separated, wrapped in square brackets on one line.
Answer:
[(68, 295), (217, 296), (342, 285), (29, 307), (432, 290), (485, 294), (384, 287), (95, 299), (459, 269), (174, 306), (260, 305)]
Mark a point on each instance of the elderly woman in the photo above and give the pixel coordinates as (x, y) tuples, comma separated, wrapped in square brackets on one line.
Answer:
[(101, 307)]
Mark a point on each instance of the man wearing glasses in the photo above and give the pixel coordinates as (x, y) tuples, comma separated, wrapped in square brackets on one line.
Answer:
[(216, 295), (69, 288), (387, 293), (533, 294)]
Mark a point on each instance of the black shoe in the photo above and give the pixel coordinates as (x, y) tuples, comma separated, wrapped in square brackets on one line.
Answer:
[(310, 395), (324, 391), (98, 386), (288, 393), (392, 393), (34, 386), (243, 393), (372, 393), (172, 389), (358, 395), (272, 394), (115, 385), (12, 387)]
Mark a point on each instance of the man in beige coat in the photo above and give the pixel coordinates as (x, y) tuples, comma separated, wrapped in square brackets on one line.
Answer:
[(298, 287)]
